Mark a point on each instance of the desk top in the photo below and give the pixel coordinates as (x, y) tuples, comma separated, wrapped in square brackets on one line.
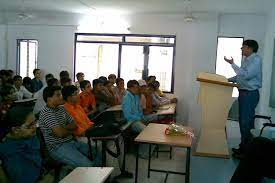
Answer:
[(167, 109), (155, 134), (88, 174), (115, 108)]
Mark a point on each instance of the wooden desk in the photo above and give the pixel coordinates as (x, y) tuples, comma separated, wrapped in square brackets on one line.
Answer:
[(115, 108), (88, 174), (154, 134), (167, 109)]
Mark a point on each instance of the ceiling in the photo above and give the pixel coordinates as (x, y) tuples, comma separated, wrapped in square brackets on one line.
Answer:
[(136, 6)]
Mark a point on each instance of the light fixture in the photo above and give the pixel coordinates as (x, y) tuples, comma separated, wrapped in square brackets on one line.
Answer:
[(188, 17)]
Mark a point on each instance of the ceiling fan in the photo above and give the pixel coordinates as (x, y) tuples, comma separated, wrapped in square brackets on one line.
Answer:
[(22, 14), (188, 15)]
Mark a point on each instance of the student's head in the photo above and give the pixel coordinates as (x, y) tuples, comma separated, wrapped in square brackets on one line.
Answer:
[(17, 81), (150, 79), (8, 93), (156, 84), (249, 47), (151, 87), (48, 76), (52, 82), (142, 86), (27, 82), (11, 73), (120, 83), (64, 74), (85, 86), (108, 84), (133, 87), (103, 79), (112, 78), (80, 76), (52, 96), (65, 82), (70, 94), (19, 116), (37, 73), (98, 85)]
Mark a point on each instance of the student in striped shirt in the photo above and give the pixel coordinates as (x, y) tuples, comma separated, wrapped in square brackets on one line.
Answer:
[(58, 127)]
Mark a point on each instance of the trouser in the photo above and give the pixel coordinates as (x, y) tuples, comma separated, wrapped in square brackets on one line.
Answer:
[(248, 101), (258, 162)]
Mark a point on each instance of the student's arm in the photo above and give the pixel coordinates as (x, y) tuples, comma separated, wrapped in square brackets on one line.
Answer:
[(26, 93), (126, 108)]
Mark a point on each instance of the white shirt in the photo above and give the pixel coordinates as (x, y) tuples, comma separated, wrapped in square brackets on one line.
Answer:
[(40, 103), (22, 92)]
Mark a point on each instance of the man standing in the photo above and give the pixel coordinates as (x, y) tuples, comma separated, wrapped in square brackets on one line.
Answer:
[(36, 82), (249, 78)]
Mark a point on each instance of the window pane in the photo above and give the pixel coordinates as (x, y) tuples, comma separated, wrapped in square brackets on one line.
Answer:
[(32, 58), (132, 62), (229, 47), (23, 58), (96, 60), (149, 39), (99, 38), (161, 64)]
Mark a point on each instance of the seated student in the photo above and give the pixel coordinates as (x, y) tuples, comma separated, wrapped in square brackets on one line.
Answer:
[(40, 103), (145, 97), (112, 79), (63, 74), (119, 90), (21, 91), (27, 83), (150, 79), (157, 100), (132, 108), (108, 91), (58, 128), (87, 98), (257, 163), (8, 94), (83, 123), (36, 81), (80, 77), (158, 90), (20, 148), (102, 100)]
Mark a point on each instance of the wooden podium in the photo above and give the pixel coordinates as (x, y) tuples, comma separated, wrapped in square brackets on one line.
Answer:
[(215, 98)]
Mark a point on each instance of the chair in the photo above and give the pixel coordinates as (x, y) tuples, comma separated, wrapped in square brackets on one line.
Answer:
[(267, 129)]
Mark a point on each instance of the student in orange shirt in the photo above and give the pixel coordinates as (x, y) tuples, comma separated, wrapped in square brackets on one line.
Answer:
[(87, 98), (70, 95)]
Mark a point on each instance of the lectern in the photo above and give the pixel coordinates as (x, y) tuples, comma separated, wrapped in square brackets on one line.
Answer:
[(215, 98)]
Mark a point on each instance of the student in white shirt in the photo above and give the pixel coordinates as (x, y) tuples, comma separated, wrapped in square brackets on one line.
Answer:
[(21, 91)]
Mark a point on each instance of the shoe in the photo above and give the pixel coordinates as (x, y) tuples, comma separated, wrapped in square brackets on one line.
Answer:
[(237, 151), (238, 155)]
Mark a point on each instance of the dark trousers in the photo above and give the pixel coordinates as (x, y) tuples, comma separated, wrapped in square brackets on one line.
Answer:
[(258, 162), (248, 101)]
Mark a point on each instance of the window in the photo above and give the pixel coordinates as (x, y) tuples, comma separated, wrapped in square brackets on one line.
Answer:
[(129, 56), (26, 57), (229, 47)]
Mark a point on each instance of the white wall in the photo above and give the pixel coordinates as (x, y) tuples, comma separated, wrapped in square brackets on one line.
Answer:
[(3, 46), (55, 46)]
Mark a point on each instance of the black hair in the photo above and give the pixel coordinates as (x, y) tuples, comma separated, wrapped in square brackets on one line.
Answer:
[(103, 79), (68, 91), (96, 82), (49, 92), (252, 44), (34, 71), (16, 77), (6, 90), (52, 81), (112, 76), (79, 74), (119, 80), (83, 84), (64, 74), (132, 83), (48, 76)]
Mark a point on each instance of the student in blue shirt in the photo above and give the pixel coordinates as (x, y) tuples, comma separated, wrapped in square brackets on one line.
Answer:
[(20, 148), (36, 82), (249, 78)]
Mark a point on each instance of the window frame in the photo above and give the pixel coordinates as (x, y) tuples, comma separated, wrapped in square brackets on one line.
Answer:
[(124, 42), (18, 41)]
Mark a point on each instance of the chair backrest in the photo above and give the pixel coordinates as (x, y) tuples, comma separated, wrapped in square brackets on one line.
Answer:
[(43, 149)]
